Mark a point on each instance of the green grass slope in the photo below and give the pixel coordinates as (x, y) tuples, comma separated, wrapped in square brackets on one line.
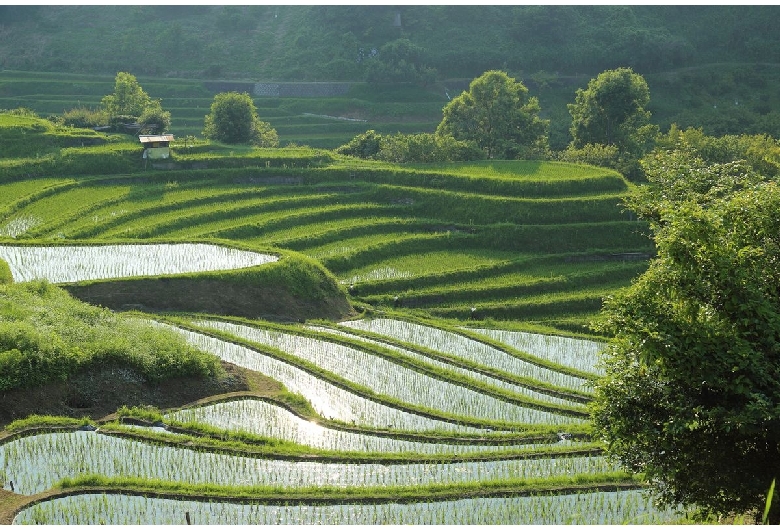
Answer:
[(541, 242)]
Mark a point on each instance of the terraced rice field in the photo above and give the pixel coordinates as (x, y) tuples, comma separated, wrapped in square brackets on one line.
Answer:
[(537, 243), (363, 457), (305, 121), (64, 264), (436, 406)]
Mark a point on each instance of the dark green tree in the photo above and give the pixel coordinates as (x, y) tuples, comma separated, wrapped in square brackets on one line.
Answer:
[(233, 120), (497, 114), (691, 396), (611, 111)]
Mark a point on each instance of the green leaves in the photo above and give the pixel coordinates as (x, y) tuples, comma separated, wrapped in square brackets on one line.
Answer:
[(45, 335), (233, 120), (498, 115), (693, 386)]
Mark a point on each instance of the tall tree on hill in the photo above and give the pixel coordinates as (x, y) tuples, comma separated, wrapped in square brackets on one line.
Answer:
[(233, 120), (611, 111), (497, 114)]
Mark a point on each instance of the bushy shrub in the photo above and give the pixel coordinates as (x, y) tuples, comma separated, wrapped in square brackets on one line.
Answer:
[(365, 145), (427, 148), (233, 120), (604, 156), (154, 119), (400, 148), (84, 117), (760, 151)]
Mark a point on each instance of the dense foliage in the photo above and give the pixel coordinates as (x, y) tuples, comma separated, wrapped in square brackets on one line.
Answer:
[(233, 120), (403, 148), (316, 42), (130, 102), (611, 112), (498, 115), (692, 393), (46, 336)]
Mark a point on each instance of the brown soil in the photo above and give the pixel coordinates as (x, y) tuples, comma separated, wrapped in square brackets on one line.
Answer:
[(98, 393)]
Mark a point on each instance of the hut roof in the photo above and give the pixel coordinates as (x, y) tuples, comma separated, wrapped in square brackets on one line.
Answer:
[(151, 138)]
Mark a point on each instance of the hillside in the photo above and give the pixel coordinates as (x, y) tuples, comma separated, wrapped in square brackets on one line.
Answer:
[(701, 68), (316, 43), (532, 241)]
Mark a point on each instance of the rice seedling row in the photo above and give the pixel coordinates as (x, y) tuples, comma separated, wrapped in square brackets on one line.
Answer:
[(320, 211), (63, 264), (35, 463), (388, 378), (502, 286), (469, 349), (22, 192), (578, 353), (266, 419), (159, 199), (301, 237), (340, 253), (327, 399), (368, 249), (466, 207), (465, 372), (424, 280), (170, 221), (172, 197), (77, 201), (601, 508), (584, 302)]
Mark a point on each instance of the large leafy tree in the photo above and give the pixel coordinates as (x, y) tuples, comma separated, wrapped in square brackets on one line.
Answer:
[(691, 396), (128, 98), (611, 111), (130, 101), (233, 120), (497, 114)]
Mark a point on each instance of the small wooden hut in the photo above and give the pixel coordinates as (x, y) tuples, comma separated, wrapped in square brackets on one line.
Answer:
[(156, 146)]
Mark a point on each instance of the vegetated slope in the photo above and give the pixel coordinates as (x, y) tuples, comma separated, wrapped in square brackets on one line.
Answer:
[(701, 68), (537, 241), (55, 350), (318, 43)]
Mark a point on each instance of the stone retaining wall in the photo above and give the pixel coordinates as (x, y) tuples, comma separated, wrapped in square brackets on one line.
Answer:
[(281, 90)]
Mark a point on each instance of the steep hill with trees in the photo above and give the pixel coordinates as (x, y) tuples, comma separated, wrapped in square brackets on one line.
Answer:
[(706, 66), (352, 42)]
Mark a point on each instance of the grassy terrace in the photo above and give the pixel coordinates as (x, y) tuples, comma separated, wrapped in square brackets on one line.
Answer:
[(538, 240)]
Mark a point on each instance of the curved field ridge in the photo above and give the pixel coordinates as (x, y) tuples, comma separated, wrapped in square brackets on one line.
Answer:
[(329, 400), (64, 264), (388, 378), (266, 419), (602, 508)]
